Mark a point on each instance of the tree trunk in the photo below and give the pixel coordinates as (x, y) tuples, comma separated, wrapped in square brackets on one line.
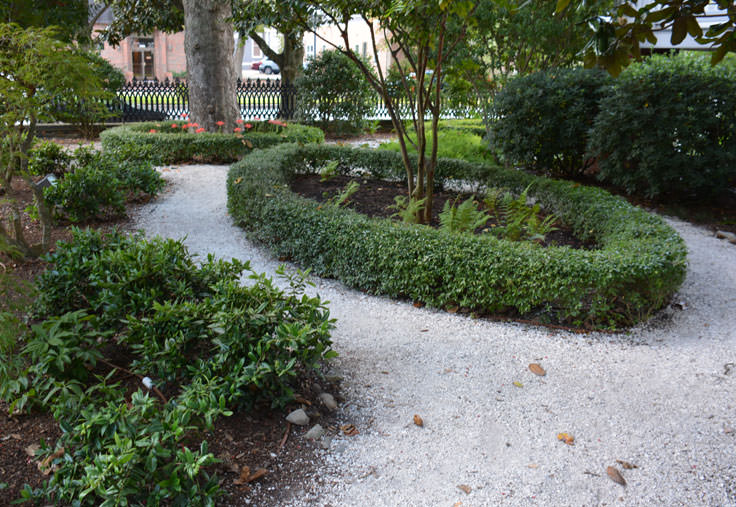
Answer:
[(208, 44), (291, 66), (238, 58)]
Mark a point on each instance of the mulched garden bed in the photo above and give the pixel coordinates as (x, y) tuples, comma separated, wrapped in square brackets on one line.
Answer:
[(374, 198)]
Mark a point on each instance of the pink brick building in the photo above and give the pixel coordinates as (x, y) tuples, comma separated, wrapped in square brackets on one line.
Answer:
[(158, 55)]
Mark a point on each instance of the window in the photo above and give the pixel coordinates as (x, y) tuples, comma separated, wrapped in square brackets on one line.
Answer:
[(365, 49), (142, 57)]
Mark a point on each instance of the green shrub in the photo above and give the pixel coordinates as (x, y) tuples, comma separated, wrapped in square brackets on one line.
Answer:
[(543, 119), (639, 264), (175, 144), (93, 182), (209, 342), (455, 143), (668, 127), (48, 157), (333, 92)]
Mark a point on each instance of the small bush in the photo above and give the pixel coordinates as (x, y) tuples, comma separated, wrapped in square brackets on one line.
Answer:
[(92, 183), (638, 266), (175, 144), (48, 157), (333, 92), (668, 127), (544, 118)]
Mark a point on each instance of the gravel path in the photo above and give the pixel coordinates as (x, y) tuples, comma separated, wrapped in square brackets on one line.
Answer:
[(662, 397)]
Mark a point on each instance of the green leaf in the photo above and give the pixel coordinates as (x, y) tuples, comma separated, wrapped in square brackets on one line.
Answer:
[(561, 5)]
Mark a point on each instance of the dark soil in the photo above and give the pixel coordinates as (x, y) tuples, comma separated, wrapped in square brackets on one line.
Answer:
[(374, 198)]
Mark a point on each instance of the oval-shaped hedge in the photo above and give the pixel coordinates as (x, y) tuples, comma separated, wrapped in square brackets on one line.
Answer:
[(640, 262), (171, 146)]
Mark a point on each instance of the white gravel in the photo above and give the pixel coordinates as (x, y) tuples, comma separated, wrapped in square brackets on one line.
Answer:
[(662, 397)]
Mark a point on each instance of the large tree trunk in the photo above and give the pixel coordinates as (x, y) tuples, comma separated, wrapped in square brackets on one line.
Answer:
[(208, 43), (238, 58)]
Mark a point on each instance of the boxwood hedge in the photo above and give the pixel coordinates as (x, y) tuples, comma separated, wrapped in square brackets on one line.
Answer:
[(640, 261), (173, 145)]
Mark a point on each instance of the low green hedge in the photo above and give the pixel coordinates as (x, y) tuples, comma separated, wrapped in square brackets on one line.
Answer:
[(639, 264), (178, 145)]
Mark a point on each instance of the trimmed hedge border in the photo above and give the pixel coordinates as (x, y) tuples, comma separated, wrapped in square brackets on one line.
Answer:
[(206, 147), (640, 263)]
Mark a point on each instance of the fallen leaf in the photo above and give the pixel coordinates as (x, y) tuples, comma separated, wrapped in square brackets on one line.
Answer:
[(452, 308), (244, 474), (532, 465), (418, 304), (465, 488), (31, 450), (537, 370), (418, 420), (237, 181), (301, 399), (257, 474), (423, 330), (45, 465), (457, 504), (349, 430), (249, 144), (518, 384), (626, 465), (567, 438), (615, 476)]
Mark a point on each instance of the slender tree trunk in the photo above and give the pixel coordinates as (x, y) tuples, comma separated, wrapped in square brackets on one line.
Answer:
[(291, 66), (208, 44), (238, 58)]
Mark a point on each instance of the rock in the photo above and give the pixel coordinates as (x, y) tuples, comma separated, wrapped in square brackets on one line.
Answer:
[(328, 401), (325, 442), (298, 417), (315, 433), (729, 236), (340, 448), (333, 378)]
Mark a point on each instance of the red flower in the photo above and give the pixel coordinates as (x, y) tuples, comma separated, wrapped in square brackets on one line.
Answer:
[(184, 115), (237, 129), (248, 126), (219, 123), (239, 121), (152, 131), (199, 130), (194, 124), (174, 125)]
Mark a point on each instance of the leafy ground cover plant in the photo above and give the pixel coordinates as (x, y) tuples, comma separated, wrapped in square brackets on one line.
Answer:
[(117, 312), (455, 143), (184, 141), (639, 262)]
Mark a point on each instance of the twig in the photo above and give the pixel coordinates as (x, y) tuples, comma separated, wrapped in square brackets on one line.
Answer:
[(286, 435), (153, 388)]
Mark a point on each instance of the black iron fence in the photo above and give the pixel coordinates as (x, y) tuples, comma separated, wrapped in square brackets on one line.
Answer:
[(153, 100)]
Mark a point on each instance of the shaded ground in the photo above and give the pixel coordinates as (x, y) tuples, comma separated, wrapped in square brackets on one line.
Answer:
[(374, 198)]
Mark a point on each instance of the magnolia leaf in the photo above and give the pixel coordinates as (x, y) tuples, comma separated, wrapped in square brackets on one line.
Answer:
[(465, 488), (418, 421), (616, 476), (537, 369), (679, 31), (566, 438)]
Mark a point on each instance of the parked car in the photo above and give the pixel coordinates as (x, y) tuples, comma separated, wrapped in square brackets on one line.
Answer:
[(269, 67)]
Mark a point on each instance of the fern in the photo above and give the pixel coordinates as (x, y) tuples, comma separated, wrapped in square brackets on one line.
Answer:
[(328, 171), (407, 209), (341, 199), (465, 217)]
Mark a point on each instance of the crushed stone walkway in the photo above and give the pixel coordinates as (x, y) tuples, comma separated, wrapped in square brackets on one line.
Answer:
[(661, 397)]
